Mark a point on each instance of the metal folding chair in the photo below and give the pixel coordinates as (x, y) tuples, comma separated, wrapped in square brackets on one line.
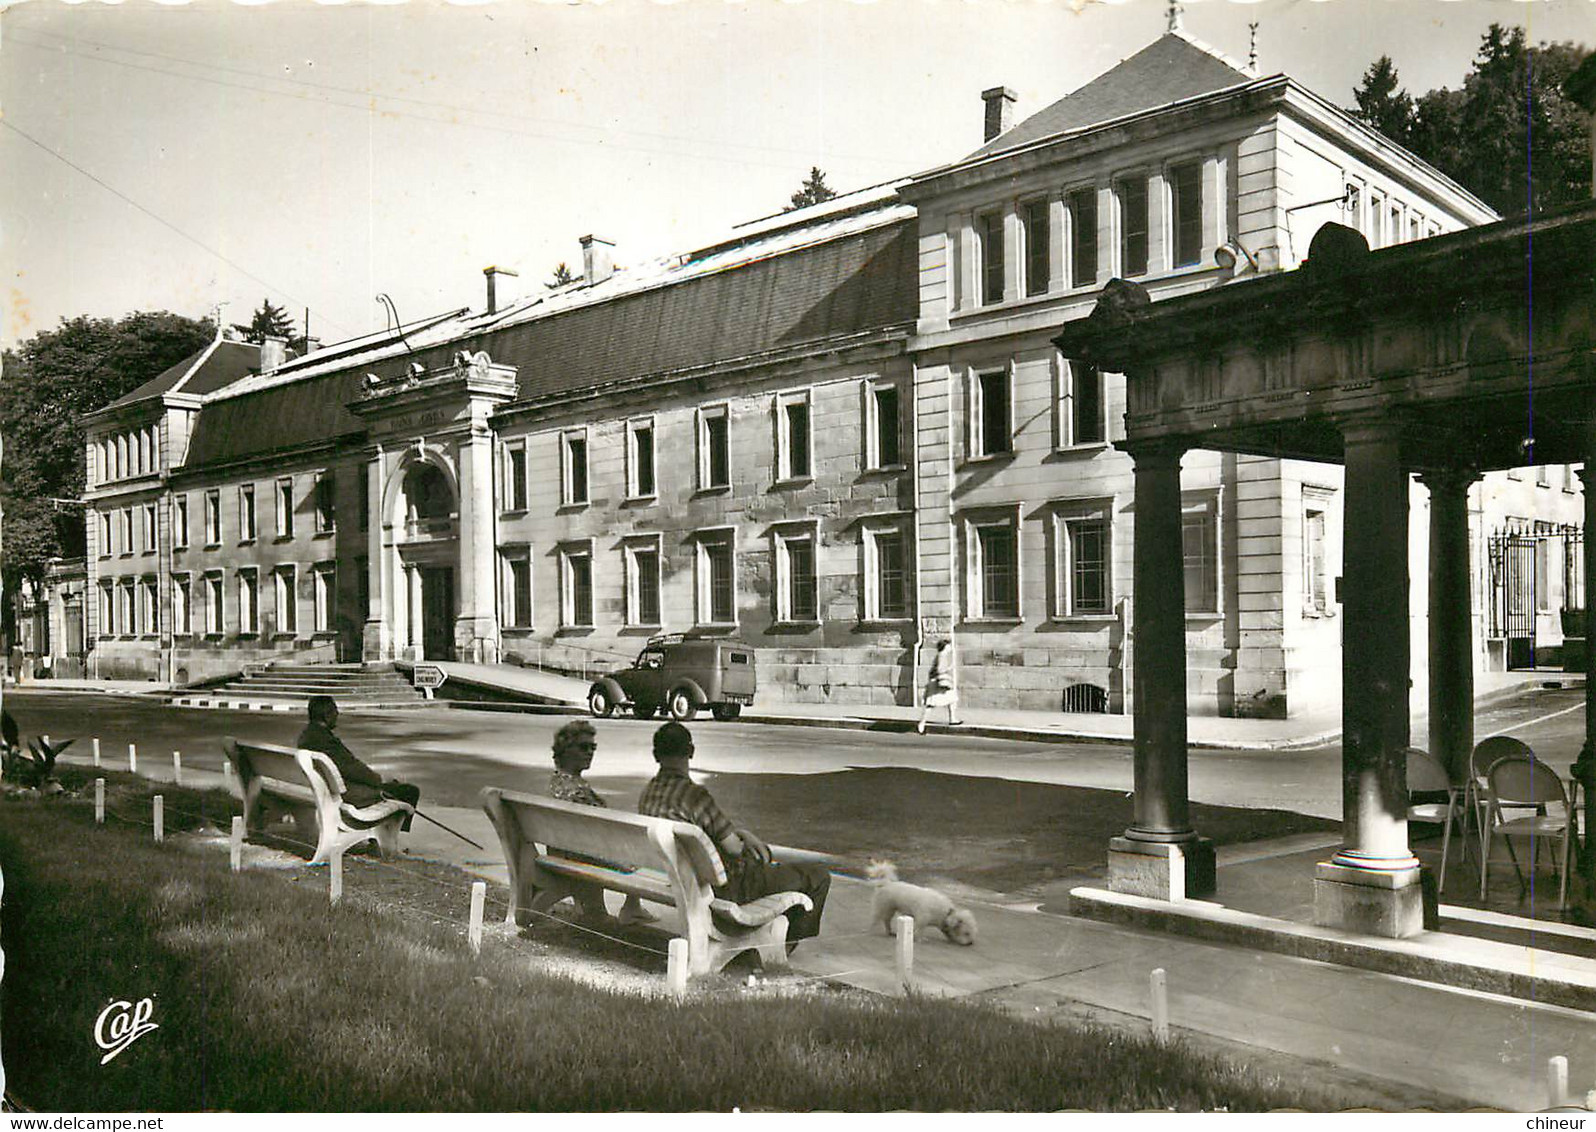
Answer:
[(1427, 775), (1526, 783), (1485, 752)]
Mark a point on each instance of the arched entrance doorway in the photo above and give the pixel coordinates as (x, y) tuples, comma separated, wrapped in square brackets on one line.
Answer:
[(425, 521)]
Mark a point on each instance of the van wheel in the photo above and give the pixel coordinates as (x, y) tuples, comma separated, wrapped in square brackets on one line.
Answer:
[(600, 704), (728, 712), (682, 707), (644, 710)]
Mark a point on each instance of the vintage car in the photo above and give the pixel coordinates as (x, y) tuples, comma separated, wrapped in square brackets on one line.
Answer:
[(682, 675)]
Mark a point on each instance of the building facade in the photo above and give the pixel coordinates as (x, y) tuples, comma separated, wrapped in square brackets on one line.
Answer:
[(838, 434)]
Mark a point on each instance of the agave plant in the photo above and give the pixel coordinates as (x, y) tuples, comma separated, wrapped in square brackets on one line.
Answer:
[(34, 767)]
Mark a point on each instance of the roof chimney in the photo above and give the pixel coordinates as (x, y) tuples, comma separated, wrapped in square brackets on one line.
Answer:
[(598, 259), (999, 110), (499, 291), (273, 352)]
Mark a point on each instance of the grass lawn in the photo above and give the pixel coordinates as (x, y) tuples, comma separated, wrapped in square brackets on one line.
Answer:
[(268, 999)]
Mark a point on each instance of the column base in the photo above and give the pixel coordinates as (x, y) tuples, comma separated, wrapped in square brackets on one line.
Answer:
[(1392, 905), (1161, 870), (476, 640)]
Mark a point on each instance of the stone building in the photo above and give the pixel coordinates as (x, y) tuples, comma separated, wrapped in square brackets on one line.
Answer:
[(837, 433)]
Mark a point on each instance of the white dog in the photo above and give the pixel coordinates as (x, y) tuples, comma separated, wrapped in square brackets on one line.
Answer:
[(927, 906)]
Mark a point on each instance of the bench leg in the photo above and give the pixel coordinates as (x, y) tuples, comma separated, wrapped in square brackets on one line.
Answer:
[(773, 945)]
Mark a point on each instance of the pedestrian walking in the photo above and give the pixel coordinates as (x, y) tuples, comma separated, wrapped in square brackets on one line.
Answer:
[(941, 686)]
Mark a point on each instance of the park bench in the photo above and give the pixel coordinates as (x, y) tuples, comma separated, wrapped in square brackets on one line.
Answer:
[(307, 785), (663, 861)]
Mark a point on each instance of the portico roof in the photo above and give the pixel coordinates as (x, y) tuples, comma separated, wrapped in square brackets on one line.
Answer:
[(1480, 344)]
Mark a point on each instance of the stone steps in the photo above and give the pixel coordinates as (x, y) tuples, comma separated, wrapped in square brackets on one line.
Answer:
[(293, 684)]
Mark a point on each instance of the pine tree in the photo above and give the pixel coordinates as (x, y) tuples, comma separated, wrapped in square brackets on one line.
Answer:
[(814, 190), (270, 321), (562, 276), (1383, 104)]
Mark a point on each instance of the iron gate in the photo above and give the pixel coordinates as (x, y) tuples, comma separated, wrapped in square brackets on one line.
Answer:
[(1513, 594)]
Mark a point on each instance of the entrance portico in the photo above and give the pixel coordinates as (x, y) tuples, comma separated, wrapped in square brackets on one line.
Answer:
[(430, 487), (1416, 360)]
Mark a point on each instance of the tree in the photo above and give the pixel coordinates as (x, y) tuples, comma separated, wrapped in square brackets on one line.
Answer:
[(562, 276), (814, 190), (271, 321), (1382, 103), (1509, 135), (50, 380)]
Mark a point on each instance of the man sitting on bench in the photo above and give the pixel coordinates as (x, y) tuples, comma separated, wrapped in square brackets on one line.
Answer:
[(362, 785), (751, 872)]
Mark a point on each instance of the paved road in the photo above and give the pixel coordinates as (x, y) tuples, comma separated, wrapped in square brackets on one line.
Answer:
[(451, 753)]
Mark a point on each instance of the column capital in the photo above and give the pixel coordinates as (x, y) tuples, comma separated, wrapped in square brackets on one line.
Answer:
[(1370, 428), (1449, 479), (1153, 450)]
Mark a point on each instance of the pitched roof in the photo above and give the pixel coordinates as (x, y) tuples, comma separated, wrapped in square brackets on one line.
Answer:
[(1171, 68), (214, 366), (851, 277)]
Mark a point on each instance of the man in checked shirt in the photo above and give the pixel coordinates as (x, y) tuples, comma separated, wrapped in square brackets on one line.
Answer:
[(751, 872)]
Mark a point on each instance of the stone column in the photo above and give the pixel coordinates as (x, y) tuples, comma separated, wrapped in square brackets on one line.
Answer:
[(1372, 885), (1451, 621), (1160, 854), (476, 628), (1582, 891), (413, 611), (376, 637)]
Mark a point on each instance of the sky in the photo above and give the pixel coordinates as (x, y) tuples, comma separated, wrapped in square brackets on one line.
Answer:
[(169, 156)]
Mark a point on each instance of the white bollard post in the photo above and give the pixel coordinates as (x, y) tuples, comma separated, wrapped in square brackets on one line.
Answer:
[(1556, 1081), (133, 758), (96, 752), (177, 767), (676, 967), (479, 894), (1160, 992), (335, 871), (237, 847), (903, 928), (160, 819), (99, 801)]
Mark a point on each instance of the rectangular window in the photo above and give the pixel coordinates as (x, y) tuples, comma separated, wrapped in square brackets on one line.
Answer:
[(989, 234), (127, 530), (326, 578), (1568, 478), (248, 601), (1084, 586), (285, 508), (1133, 226), (180, 522), (642, 584), (515, 477), (1082, 419), (1186, 202), (992, 433), (1415, 228), (105, 534), (149, 608), (996, 556), (1200, 556), (882, 428), (1396, 224), (1035, 227), (886, 586), (717, 600), (144, 452), (107, 611), (574, 446), (326, 502), (797, 598), (213, 604), (1314, 590), (283, 581), (1543, 475), (149, 528), (246, 513), (576, 588), (792, 421), (213, 518), (127, 617), (518, 588), (714, 455), (1082, 208), (182, 605), (640, 458), (1376, 220)]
